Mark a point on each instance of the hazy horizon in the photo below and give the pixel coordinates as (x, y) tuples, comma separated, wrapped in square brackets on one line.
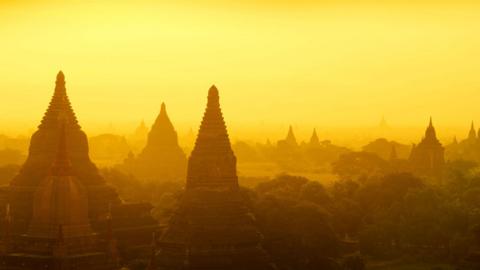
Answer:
[(327, 66)]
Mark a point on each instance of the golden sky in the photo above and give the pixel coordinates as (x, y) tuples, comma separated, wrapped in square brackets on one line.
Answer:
[(307, 63)]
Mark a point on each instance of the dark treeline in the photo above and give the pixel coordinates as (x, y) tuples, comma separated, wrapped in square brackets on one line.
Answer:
[(372, 210)]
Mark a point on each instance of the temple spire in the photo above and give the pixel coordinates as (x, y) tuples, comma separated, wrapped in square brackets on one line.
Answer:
[(291, 140), (163, 109), (212, 144), (213, 97), (60, 77), (59, 105), (430, 133), (472, 135), (162, 121), (162, 134), (314, 139)]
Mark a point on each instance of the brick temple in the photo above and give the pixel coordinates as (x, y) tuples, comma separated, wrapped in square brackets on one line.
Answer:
[(212, 227), (32, 204)]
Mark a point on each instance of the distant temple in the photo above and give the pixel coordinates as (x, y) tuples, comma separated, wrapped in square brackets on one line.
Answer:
[(427, 158), (141, 132), (162, 158), (212, 227), (472, 134), (314, 141), (466, 149), (36, 196), (290, 141)]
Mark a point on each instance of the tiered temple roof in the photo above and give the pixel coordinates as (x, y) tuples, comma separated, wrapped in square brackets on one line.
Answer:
[(212, 162), (44, 142), (162, 158), (212, 227)]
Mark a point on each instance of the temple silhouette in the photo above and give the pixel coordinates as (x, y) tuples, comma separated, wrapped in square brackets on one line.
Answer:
[(162, 159), (212, 227), (314, 140), (60, 197), (290, 141), (59, 235), (427, 158), (466, 149)]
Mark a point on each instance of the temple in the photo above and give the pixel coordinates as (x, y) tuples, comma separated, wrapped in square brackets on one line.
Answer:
[(427, 158), (472, 134), (59, 234), (60, 200), (30, 203), (162, 159), (212, 227), (314, 141), (290, 140)]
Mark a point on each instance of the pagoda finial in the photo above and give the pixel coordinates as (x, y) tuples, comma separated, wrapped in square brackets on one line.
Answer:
[(472, 134), (163, 107), (60, 77), (163, 110), (430, 132), (60, 82), (213, 94)]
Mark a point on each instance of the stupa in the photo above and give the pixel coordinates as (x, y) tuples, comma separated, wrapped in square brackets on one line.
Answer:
[(132, 223), (212, 227), (59, 235), (162, 159)]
